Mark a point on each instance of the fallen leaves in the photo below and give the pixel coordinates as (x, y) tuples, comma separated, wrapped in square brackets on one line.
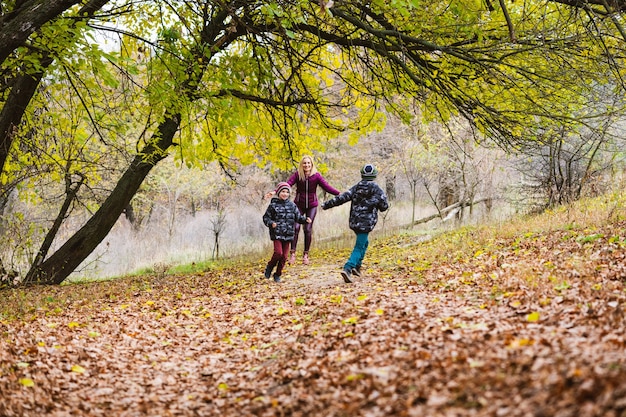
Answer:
[(529, 325)]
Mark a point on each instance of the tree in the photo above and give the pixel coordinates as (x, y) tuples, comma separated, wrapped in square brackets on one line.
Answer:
[(291, 68), (24, 60), (562, 165)]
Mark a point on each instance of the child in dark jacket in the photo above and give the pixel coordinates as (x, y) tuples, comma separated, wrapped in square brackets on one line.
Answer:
[(281, 216), (367, 199)]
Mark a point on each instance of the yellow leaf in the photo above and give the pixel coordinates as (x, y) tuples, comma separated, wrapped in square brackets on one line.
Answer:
[(78, 369), (380, 311), (533, 317), (520, 343), (27, 382), (93, 334), (72, 324)]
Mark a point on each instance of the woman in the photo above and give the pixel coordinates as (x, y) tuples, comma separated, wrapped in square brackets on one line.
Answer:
[(306, 179)]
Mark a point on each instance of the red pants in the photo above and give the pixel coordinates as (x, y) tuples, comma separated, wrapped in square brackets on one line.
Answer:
[(281, 250)]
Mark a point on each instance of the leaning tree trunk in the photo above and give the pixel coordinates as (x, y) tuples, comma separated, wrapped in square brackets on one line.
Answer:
[(13, 111), (66, 259), (70, 194)]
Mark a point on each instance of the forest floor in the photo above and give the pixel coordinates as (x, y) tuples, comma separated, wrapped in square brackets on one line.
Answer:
[(518, 319)]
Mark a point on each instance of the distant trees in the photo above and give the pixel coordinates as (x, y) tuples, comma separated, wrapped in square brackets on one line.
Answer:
[(557, 169), (244, 82)]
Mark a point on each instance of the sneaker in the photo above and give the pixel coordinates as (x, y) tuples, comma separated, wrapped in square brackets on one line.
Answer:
[(305, 259), (276, 278), (268, 272), (292, 258), (346, 274), (356, 272)]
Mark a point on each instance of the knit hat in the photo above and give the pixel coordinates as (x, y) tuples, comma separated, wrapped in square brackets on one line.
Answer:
[(281, 186), (369, 172)]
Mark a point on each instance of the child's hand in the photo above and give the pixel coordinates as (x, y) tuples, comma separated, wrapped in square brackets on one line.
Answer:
[(269, 194), (273, 225), (308, 220)]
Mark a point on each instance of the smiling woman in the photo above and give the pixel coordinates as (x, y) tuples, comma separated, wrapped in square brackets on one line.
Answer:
[(307, 179)]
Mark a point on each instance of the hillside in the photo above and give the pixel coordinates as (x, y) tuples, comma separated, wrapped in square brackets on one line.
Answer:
[(516, 319)]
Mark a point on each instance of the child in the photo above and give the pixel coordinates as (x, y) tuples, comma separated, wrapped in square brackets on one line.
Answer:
[(367, 199), (281, 216)]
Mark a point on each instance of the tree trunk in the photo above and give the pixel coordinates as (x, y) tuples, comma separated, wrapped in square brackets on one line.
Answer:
[(66, 259), (451, 207), (70, 194), (18, 24), (13, 110), (390, 187)]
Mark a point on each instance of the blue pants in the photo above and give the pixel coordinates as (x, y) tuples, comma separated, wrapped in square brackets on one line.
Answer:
[(358, 253)]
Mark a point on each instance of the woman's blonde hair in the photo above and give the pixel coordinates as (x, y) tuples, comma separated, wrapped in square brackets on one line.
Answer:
[(301, 170)]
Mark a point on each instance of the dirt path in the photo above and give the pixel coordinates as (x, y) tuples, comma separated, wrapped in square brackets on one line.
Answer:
[(316, 275)]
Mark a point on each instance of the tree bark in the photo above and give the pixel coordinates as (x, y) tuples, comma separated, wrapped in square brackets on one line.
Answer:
[(17, 25), (13, 111), (68, 257)]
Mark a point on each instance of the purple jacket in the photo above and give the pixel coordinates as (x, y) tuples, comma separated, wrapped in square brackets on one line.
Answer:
[(306, 190)]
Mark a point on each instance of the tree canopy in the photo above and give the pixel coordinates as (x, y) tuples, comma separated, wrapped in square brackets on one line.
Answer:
[(254, 81)]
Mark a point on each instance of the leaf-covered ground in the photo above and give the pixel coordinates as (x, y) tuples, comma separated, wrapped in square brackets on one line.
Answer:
[(470, 323)]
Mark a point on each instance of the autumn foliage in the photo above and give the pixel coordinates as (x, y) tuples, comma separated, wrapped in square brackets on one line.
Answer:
[(517, 319)]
